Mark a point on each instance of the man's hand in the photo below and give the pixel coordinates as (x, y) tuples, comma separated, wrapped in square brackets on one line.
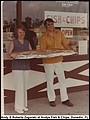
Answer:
[(74, 48)]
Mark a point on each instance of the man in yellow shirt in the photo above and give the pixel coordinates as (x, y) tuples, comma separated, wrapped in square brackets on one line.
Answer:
[(54, 39)]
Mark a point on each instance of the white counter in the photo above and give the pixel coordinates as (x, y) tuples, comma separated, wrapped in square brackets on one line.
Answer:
[(82, 47)]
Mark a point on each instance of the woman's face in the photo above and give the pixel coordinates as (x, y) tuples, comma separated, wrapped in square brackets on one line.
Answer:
[(21, 34)]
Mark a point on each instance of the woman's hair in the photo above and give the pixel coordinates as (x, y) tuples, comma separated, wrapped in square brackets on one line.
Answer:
[(16, 30), (48, 20)]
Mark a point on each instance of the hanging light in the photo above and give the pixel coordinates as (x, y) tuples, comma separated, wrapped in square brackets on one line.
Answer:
[(67, 3)]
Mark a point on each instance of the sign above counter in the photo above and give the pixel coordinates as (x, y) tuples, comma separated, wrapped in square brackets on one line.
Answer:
[(67, 19)]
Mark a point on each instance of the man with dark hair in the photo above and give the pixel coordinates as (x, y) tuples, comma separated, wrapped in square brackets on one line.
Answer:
[(54, 39)]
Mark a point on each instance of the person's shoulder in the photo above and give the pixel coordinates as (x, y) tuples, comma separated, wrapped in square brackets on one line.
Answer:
[(14, 40), (57, 30)]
